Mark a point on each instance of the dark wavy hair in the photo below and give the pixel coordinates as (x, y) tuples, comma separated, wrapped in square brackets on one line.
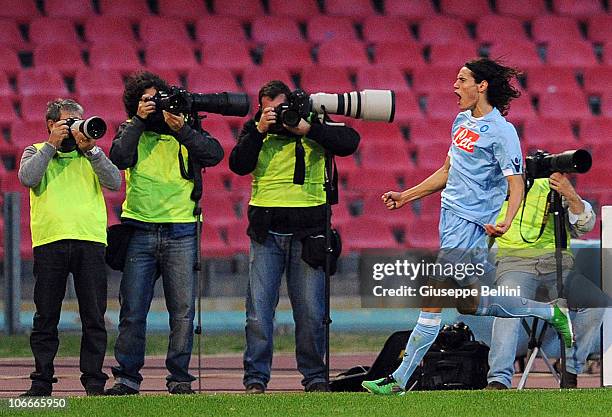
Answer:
[(500, 91), (135, 86), (273, 89)]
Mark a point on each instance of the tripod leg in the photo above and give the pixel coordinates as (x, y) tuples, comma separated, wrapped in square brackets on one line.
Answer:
[(549, 365), (532, 358)]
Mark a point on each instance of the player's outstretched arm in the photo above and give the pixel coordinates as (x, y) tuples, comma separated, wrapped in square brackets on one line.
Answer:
[(516, 191)]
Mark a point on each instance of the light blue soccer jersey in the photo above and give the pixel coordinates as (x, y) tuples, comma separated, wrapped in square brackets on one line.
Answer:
[(483, 152)]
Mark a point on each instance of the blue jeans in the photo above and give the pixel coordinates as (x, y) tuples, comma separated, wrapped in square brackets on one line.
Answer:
[(306, 288), (585, 321), (152, 253)]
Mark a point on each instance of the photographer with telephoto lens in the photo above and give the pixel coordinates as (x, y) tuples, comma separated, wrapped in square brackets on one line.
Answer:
[(65, 176), (163, 154)]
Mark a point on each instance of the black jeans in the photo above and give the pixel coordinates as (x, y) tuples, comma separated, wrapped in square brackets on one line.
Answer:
[(52, 263)]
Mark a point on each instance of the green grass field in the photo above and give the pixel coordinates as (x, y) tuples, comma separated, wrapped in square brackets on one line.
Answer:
[(532, 403)]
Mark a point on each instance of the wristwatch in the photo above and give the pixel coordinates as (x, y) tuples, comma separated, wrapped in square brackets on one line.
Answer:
[(93, 151)]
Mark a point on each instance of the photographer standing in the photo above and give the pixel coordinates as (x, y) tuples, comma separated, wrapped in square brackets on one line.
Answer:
[(526, 259), (65, 176), (163, 155), (287, 205)]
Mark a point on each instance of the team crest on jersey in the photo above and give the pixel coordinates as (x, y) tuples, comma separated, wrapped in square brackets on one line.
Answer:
[(465, 139)]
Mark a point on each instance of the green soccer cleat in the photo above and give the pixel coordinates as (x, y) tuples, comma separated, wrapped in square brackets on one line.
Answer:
[(562, 324), (383, 386)]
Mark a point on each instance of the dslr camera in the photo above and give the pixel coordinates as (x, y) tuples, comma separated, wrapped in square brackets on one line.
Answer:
[(93, 128), (178, 100), (543, 164), (367, 105)]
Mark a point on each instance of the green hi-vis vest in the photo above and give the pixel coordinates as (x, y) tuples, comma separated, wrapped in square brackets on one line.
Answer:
[(155, 190), (68, 202), (273, 176), (511, 243)]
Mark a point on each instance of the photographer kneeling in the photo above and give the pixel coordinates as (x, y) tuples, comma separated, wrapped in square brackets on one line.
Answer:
[(68, 221), (526, 258), (287, 205), (163, 155)]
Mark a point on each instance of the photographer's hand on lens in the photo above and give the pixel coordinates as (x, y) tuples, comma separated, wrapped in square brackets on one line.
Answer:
[(145, 106), (561, 184), (267, 119), (82, 141), (174, 122), (393, 200), (59, 132), (301, 129)]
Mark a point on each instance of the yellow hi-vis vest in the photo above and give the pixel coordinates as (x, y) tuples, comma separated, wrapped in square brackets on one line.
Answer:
[(511, 243), (155, 190), (68, 202), (273, 185)]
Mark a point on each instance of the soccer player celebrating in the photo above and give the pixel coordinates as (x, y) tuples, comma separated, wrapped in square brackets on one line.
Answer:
[(483, 165)]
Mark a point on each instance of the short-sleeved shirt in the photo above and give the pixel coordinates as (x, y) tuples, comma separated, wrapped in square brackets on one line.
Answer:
[(483, 152)]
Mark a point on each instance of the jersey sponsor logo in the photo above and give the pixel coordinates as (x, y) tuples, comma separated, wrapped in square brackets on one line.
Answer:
[(465, 139)]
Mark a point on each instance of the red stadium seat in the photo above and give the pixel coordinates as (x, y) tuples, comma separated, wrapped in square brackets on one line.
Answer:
[(358, 235), (551, 80), (98, 81), (386, 29), (349, 8), (269, 29), (212, 244), (327, 28), (440, 30), (553, 135), (403, 55), (606, 104), (600, 28), (494, 28), (170, 54), (597, 180), (378, 132), (210, 80), (457, 8), (237, 237), (53, 29), (10, 35), (25, 133), (596, 131), (275, 55), (435, 79), (406, 107), (186, 10), (46, 56), (374, 208), (564, 105), (220, 129), (207, 29), (578, 8), (102, 29), (381, 77), (234, 56), (521, 109), (296, 9), (66, 9), (243, 9), (45, 81), (423, 233), (9, 62), (348, 54), (571, 54), (430, 131), (517, 53), (218, 207), (608, 53), (108, 107), (453, 54), (114, 56), (555, 29), (440, 105), (132, 9), (325, 79), (390, 156), (598, 80), (155, 29), (524, 9), (18, 9), (431, 156), (413, 10), (7, 112), (5, 88), (255, 77)]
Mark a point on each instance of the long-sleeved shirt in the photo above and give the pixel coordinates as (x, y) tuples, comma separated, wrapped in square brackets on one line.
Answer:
[(34, 163)]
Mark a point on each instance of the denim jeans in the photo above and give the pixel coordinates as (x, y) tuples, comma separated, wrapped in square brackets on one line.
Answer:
[(52, 264), (152, 253), (306, 290), (585, 321)]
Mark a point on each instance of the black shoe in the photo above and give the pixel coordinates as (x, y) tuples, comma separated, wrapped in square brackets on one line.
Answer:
[(94, 390), (255, 388), (317, 387), (121, 389), (494, 385), (38, 390), (570, 380), (181, 388)]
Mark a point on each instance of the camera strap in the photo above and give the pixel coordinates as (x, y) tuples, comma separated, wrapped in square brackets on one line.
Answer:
[(544, 218), (299, 171)]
